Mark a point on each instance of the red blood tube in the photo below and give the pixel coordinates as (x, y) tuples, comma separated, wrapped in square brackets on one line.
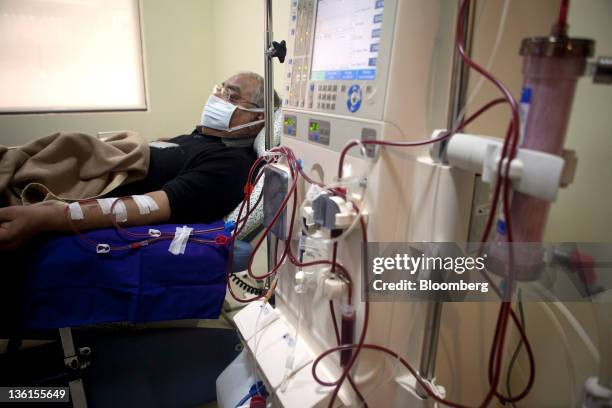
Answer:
[(347, 331)]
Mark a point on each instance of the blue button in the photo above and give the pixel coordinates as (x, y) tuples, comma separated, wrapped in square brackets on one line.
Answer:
[(353, 102), (315, 137)]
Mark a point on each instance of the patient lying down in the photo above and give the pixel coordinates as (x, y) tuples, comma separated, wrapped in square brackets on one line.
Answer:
[(198, 177)]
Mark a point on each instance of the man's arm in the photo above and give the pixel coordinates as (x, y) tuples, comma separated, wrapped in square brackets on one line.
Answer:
[(20, 223)]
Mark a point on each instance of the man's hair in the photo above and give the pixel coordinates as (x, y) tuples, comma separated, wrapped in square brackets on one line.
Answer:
[(259, 92)]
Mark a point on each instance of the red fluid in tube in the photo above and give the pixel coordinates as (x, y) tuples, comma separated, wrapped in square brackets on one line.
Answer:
[(347, 333)]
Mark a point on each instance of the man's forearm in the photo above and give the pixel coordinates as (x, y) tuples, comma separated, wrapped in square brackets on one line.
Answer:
[(55, 216)]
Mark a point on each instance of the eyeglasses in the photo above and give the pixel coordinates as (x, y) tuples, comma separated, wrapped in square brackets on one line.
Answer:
[(231, 95)]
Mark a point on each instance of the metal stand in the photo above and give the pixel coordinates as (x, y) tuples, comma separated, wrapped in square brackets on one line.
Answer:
[(457, 97), (268, 73), (74, 362), (271, 49)]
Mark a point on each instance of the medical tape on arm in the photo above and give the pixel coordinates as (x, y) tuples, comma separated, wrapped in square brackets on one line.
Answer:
[(119, 209), (145, 204), (76, 212), (178, 244)]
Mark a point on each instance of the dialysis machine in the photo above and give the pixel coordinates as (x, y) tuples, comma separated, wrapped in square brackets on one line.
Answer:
[(362, 70), (385, 70)]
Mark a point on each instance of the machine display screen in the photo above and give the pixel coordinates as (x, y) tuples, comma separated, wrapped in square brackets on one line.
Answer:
[(347, 34)]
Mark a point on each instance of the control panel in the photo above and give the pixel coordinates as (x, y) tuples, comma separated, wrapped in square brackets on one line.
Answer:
[(337, 54)]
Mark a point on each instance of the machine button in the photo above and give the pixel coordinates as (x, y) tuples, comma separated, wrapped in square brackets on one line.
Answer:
[(333, 106), (335, 88), (343, 88), (353, 102), (333, 97)]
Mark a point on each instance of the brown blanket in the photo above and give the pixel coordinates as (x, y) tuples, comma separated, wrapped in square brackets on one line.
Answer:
[(71, 166)]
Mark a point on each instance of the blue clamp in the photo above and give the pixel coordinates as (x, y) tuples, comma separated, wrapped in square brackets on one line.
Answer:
[(229, 226), (299, 164), (256, 389), (501, 227)]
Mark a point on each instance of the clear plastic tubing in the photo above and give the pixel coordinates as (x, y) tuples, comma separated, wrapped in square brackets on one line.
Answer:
[(551, 68)]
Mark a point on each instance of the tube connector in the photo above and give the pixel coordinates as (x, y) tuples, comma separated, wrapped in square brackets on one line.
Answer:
[(334, 288), (596, 395)]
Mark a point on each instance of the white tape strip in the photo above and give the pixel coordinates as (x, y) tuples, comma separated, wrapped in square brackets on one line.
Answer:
[(154, 233), (145, 204), (105, 204), (152, 204), (178, 244), (76, 212), (120, 211), (143, 207)]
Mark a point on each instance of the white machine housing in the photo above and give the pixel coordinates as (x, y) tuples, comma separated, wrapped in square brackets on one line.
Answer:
[(409, 197)]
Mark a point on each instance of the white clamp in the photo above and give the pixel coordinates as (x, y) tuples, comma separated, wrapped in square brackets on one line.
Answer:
[(155, 233), (347, 214), (102, 249), (532, 172)]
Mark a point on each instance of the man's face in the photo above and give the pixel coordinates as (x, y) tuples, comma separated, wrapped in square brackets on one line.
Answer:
[(238, 90)]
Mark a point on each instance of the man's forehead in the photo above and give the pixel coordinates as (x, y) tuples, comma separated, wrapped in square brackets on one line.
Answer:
[(242, 84)]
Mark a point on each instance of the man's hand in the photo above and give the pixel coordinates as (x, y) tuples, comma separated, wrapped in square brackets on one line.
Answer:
[(20, 223)]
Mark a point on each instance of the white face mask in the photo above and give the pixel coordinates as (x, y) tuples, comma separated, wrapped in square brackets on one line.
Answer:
[(218, 112)]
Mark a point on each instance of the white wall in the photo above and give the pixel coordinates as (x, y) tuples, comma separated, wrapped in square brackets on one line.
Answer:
[(239, 27), (178, 37)]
